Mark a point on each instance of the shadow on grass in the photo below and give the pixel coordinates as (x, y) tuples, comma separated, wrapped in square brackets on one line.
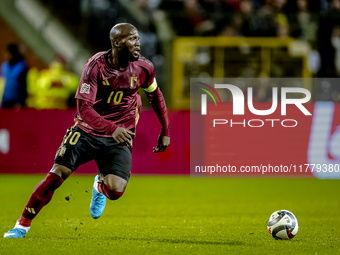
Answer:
[(183, 241), (161, 240)]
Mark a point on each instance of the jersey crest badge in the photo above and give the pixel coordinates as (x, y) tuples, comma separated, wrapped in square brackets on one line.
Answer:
[(133, 83), (106, 82), (85, 88)]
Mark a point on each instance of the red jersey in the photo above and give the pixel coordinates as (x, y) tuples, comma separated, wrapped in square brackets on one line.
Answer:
[(114, 93)]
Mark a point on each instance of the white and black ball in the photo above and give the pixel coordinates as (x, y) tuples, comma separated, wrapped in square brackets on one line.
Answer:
[(282, 224)]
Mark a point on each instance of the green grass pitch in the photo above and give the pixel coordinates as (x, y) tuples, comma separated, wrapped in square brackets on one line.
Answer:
[(175, 215)]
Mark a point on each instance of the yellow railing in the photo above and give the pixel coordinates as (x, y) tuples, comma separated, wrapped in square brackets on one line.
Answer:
[(184, 51)]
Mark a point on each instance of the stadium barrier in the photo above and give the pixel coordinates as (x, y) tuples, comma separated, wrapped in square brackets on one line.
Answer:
[(29, 140)]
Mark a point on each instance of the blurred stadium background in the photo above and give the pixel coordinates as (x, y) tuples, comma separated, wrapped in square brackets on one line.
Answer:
[(183, 38)]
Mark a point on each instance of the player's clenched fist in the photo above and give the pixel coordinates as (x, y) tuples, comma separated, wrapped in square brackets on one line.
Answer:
[(162, 143), (122, 135)]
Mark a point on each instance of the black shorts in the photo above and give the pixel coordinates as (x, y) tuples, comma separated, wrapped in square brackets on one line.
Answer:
[(79, 147)]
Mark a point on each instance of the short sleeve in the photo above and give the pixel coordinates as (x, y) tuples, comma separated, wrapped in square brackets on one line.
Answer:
[(88, 85)]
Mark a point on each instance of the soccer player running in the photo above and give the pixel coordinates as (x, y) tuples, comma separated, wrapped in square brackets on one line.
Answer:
[(108, 104)]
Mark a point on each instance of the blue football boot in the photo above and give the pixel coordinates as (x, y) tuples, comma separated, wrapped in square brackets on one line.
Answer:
[(98, 201), (17, 232)]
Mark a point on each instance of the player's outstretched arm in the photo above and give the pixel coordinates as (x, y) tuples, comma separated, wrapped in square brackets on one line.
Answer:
[(158, 105)]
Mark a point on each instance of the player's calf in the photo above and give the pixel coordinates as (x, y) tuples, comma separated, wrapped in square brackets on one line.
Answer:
[(40, 197)]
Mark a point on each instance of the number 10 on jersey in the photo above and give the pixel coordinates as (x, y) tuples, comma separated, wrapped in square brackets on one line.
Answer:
[(117, 97)]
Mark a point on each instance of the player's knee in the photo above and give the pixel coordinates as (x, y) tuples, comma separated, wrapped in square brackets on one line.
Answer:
[(118, 186), (63, 171), (115, 187), (115, 192)]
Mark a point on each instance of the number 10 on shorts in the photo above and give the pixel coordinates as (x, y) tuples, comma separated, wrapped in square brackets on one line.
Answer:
[(74, 137)]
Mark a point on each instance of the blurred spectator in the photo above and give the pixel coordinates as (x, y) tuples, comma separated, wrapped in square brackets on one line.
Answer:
[(328, 38), (246, 11), (335, 41), (282, 25), (303, 22), (240, 20), (143, 5), (263, 22), (196, 17), (328, 20), (14, 72), (307, 21), (52, 88), (229, 31), (148, 6), (314, 61)]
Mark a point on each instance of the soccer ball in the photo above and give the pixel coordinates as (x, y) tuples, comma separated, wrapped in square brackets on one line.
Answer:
[(282, 224)]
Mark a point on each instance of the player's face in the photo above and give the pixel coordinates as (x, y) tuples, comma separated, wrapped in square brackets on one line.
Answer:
[(132, 45)]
